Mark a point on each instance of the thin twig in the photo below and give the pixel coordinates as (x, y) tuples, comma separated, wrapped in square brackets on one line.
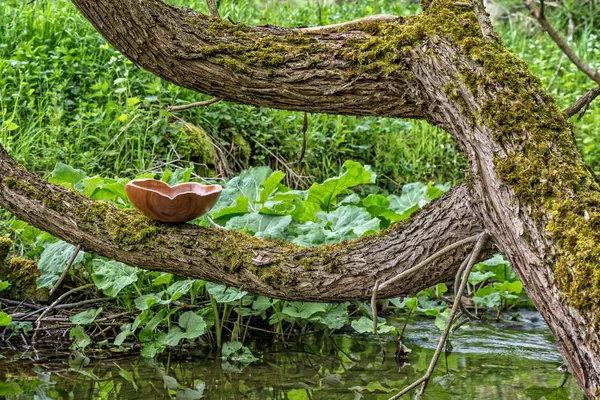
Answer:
[(114, 139), (38, 322), (66, 270), (358, 22), (374, 305), (20, 304), (582, 103), (457, 280), (561, 43), (304, 130), (433, 257), (212, 8), (481, 239), (484, 20), (196, 104), (290, 171)]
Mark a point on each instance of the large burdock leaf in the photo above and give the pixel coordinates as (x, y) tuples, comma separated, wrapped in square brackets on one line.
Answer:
[(53, 261), (224, 294), (346, 222), (113, 276), (85, 317), (235, 351), (261, 225), (247, 192), (325, 193), (68, 176)]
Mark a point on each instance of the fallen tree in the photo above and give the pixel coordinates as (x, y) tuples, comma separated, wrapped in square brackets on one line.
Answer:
[(527, 187)]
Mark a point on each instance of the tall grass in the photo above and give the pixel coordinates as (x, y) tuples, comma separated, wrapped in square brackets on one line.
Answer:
[(65, 95)]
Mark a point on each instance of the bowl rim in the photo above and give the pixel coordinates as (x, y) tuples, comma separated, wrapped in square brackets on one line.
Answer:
[(133, 183)]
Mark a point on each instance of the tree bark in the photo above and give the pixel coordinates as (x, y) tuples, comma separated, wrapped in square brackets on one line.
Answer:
[(531, 190), (342, 272)]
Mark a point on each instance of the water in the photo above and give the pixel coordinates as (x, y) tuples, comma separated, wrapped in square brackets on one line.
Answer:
[(512, 361)]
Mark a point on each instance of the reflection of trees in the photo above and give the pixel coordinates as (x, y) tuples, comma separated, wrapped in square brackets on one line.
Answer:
[(317, 367)]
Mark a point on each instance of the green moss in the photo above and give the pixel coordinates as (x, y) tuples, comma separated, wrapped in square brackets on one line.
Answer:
[(52, 199), (6, 244), (241, 150), (125, 226), (542, 163), (22, 273), (196, 145)]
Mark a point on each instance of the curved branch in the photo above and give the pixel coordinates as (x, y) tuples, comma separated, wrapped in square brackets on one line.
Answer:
[(277, 269), (303, 69)]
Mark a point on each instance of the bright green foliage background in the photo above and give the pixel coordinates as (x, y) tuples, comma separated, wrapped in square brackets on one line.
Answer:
[(77, 112)]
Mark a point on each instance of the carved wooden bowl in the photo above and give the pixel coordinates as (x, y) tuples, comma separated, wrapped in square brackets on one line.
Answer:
[(172, 204)]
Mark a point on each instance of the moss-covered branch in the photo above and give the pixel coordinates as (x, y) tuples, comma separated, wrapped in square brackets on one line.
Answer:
[(273, 268)]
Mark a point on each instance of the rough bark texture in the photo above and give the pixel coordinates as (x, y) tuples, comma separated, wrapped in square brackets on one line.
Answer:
[(531, 191), (277, 269)]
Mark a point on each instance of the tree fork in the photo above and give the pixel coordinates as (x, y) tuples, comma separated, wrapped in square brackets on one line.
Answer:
[(533, 194)]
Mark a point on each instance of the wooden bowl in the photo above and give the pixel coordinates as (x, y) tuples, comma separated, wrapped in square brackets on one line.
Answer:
[(172, 204)]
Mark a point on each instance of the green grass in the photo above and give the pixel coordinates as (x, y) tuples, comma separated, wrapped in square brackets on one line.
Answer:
[(65, 95)]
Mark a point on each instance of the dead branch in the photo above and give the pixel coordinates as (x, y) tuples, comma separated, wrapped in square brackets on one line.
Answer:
[(193, 105)]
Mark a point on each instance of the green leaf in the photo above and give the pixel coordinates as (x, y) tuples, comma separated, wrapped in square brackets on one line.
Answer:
[(53, 261), (179, 288), (365, 325), (113, 276), (5, 319), (163, 279), (243, 193), (408, 302), (235, 351), (193, 324), (261, 225), (269, 185), (239, 206), (500, 267), (154, 347), (224, 294), (440, 289), (261, 304), (510, 287), (82, 340), (146, 301), (346, 222), (376, 386), (335, 317), (325, 194), (476, 277), (180, 175), (174, 336), (125, 332), (350, 222), (68, 176), (85, 317), (303, 310), (376, 204), (441, 318), (10, 389), (4, 285)]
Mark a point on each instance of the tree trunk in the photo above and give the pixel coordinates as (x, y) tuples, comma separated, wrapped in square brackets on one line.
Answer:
[(529, 187)]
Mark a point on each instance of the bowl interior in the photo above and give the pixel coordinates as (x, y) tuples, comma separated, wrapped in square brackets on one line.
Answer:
[(172, 191)]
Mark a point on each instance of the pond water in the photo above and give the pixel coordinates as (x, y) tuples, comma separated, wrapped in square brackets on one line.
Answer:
[(510, 360)]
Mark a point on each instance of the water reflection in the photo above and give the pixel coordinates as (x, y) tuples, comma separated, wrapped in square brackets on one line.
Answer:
[(516, 362)]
